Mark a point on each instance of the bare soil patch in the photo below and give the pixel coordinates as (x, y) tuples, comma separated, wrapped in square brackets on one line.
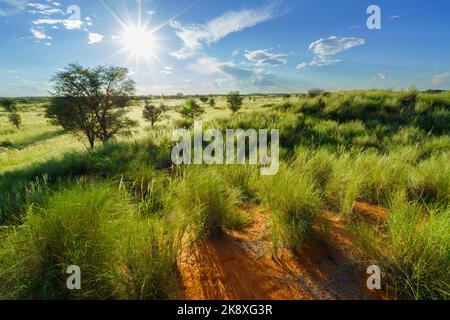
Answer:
[(241, 265)]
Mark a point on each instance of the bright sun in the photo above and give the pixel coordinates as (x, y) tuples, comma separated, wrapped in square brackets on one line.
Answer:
[(138, 41)]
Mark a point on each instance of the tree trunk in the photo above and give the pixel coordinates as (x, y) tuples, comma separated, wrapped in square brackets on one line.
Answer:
[(91, 142)]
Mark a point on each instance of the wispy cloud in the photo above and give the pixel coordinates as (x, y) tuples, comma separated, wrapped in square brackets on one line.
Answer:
[(11, 7), (69, 24), (380, 77), (235, 53), (167, 71), (325, 49), (440, 78), (46, 9), (195, 36), (230, 72), (39, 34), (265, 58), (95, 38)]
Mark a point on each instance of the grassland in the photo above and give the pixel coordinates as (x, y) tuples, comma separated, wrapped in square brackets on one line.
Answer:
[(123, 212)]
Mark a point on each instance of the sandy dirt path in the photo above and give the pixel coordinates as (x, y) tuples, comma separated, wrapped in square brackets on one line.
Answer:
[(240, 265)]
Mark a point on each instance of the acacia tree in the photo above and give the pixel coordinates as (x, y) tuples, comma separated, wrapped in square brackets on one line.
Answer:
[(15, 119), (151, 113), (191, 110), (312, 93), (204, 99), (234, 101), (10, 106), (212, 102), (92, 101), (163, 108)]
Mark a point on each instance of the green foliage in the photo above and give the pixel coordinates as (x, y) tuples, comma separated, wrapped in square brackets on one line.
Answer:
[(234, 101), (312, 93), (294, 209), (204, 202), (212, 102), (92, 102), (151, 113), (15, 119), (191, 110), (93, 226), (8, 104), (413, 248), (204, 99)]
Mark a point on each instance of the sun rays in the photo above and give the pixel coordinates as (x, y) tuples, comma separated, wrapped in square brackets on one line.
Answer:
[(138, 41)]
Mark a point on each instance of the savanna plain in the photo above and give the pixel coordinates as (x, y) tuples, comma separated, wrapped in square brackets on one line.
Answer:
[(364, 180)]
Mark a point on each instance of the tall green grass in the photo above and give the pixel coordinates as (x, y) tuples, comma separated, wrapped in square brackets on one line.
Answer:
[(93, 226), (412, 248), (294, 204), (204, 202)]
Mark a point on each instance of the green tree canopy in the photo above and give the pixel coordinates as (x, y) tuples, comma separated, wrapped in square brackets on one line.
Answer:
[(151, 113), (191, 110), (234, 101), (92, 101), (8, 104)]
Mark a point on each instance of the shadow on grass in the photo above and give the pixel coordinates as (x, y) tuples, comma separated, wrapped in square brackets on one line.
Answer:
[(32, 140), (30, 186)]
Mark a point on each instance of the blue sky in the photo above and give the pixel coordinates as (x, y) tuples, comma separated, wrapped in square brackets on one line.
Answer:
[(215, 46)]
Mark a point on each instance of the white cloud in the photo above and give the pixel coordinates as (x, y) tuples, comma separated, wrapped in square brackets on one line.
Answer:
[(38, 6), (319, 61), (440, 78), (334, 45), (167, 71), (95, 38), (236, 71), (205, 66), (212, 66), (235, 53), (44, 9), (231, 73), (262, 79), (194, 36), (380, 76), (264, 58), (39, 34), (11, 7), (324, 49), (69, 24)]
